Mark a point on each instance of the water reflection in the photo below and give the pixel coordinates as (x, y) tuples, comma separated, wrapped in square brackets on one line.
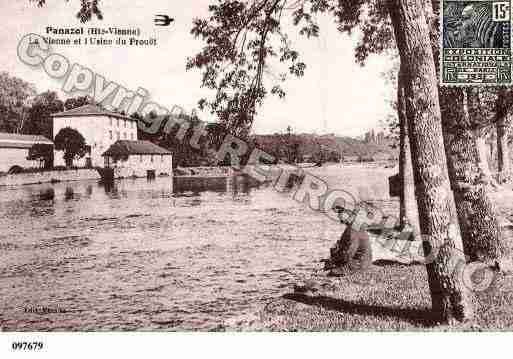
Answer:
[(46, 194), (69, 193), (172, 253), (89, 191)]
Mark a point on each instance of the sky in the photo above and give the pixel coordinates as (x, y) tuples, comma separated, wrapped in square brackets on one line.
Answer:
[(335, 96)]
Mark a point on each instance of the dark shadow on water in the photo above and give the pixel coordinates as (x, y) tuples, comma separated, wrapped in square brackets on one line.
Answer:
[(89, 191), (108, 185), (69, 194), (200, 184), (423, 317), (235, 185), (47, 194)]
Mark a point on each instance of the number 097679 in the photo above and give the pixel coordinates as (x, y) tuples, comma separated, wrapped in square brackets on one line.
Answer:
[(27, 346)]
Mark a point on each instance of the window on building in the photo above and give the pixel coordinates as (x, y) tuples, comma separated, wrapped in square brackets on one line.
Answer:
[(118, 135), (124, 123), (151, 158), (110, 135), (140, 158), (124, 135), (117, 122), (110, 118), (161, 158), (132, 136)]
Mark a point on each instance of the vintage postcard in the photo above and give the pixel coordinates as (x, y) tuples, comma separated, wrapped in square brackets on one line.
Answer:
[(476, 42), (253, 166)]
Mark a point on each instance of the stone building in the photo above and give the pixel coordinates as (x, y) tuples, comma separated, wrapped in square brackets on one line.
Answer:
[(138, 159), (100, 129), (14, 151)]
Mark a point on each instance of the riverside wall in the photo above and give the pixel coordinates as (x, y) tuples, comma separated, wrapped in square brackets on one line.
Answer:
[(48, 177)]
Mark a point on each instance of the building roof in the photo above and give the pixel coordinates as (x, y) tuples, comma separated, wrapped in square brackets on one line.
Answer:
[(14, 140), (124, 147), (90, 110)]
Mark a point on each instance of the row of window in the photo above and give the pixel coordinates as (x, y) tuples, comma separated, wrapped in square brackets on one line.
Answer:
[(141, 158), (118, 136), (125, 123)]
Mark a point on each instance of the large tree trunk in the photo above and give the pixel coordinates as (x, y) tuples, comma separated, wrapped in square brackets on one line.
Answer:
[(483, 163), (482, 238), (408, 211), (438, 219), (502, 150), (469, 170)]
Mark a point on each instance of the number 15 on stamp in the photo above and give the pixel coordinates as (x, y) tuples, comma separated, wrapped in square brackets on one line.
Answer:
[(501, 11)]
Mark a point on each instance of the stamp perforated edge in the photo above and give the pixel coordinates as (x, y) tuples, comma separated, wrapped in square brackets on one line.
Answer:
[(441, 48)]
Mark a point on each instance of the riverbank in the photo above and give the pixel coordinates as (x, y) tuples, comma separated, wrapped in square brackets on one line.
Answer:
[(389, 297), (203, 172), (72, 175), (386, 298)]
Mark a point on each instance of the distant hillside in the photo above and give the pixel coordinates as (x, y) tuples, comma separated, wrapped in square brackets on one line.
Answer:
[(311, 144)]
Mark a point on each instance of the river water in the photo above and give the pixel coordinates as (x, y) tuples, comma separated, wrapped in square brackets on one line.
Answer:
[(140, 255)]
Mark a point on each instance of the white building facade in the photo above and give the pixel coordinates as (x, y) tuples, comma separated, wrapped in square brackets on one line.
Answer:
[(138, 159), (14, 151), (100, 129)]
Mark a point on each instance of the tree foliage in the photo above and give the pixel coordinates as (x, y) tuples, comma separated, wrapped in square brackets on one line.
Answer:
[(39, 121), (15, 97), (88, 9), (72, 143), (244, 42), (42, 153), (178, 138)]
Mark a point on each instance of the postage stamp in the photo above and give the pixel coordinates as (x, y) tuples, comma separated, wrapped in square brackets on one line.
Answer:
[(476, 43)]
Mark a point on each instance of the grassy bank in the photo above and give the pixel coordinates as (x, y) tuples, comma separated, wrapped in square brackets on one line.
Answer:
[(388, 297)]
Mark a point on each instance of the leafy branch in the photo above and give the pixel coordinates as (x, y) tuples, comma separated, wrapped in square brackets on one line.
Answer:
[(88, 9), (242, 39)]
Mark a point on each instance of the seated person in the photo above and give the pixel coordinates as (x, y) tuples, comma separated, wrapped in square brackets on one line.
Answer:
[(353, 251)]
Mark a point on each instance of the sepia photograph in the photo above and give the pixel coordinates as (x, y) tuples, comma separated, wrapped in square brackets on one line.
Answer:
[(223, 168)]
